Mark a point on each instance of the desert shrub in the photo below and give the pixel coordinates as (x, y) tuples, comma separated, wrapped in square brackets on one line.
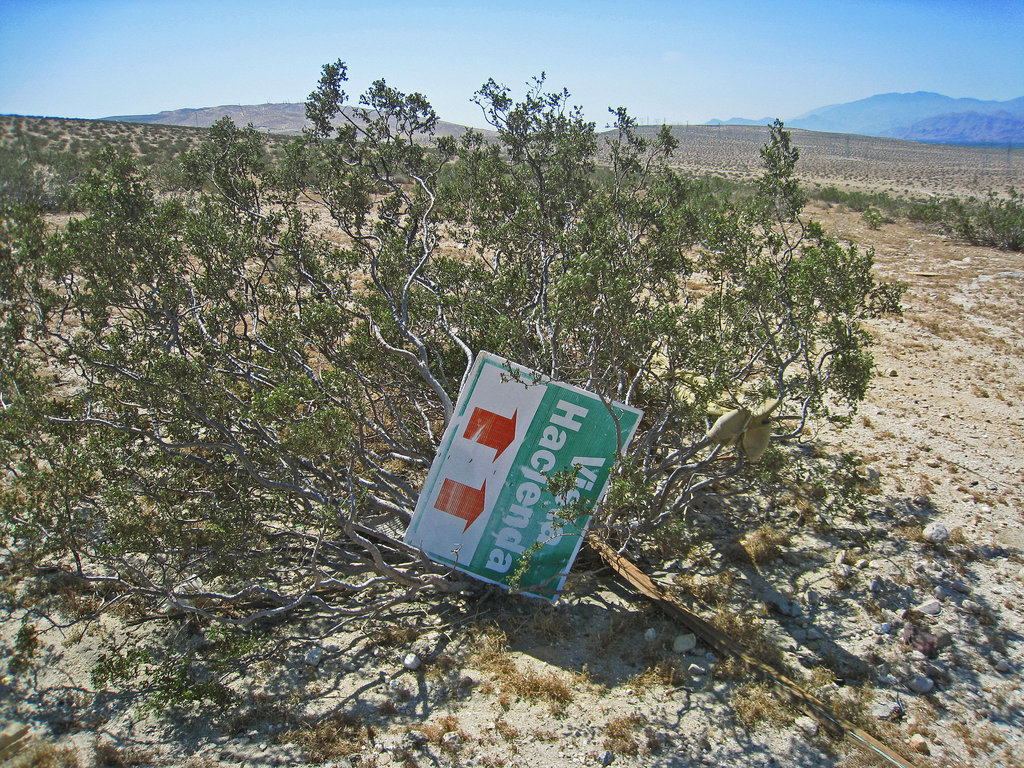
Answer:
[(223, 400), (882, 203), (995, 221), (33, 177)]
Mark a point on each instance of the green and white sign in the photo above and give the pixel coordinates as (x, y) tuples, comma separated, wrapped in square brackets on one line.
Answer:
[(486, 508)]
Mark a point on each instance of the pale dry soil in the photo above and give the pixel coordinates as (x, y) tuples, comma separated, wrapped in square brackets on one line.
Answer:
[(507, 681)]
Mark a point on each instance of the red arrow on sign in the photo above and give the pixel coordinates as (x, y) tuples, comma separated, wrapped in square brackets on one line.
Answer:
[(492, 430), (460, 500)]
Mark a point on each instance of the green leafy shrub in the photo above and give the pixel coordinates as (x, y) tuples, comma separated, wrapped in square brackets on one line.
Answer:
[(223, 401), (995, 221)]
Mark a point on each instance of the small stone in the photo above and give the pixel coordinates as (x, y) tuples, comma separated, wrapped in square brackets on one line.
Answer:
[(651, 635), (943, 638), (606, 758), (314, 656), (1002, 665), (883, 628), (888, 680), (808, 725), (415, 739), (411, 661), (451, 739), (919, 743), (935, 533), (696, 670), (876, 585), (863, 563), (962, 587), (811, 597), (684, 643), (844, 571), (930, 608), (920, 684), (970, 606), (840, 557), (888, 710)]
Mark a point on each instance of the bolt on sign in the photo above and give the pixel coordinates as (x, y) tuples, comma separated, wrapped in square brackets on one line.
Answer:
[(487, 508)]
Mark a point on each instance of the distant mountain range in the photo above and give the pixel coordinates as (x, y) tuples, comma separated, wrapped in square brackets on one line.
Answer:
[(920, 116)]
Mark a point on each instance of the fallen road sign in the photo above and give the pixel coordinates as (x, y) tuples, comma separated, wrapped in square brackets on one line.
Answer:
[(518, 472)]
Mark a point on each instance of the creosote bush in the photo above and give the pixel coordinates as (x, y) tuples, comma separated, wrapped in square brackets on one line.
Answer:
[(221, 401)]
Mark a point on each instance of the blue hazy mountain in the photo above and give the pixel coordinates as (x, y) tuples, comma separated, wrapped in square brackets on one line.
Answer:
[(921, 116)]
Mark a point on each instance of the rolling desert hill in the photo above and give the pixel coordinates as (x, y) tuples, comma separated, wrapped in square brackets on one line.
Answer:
[(283, 118)]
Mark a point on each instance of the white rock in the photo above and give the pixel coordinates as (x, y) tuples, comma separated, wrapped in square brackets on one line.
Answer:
[(808, 725), (930, 608), (695, 669), (883, 628), (1002, 665), (411, 661), (606, 758), (935, 533), (684, 643), (314, 656), (651, 635), (920, 684), (970, 606)]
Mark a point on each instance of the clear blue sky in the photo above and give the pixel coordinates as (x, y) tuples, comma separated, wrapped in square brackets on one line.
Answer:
[(673, 61)]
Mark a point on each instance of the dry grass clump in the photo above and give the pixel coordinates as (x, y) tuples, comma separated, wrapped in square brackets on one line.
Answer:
[(508, 732), (755, 703), (438, 730), (620, 730), (710, 590), (394, 636), (665, 673), (490, 653), (109, 755), (765, 544), (39, 754), (549, 687), (749, 631), (336, 736)]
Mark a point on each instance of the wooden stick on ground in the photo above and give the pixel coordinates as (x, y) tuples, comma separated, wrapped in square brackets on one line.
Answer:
[(725, 645)]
